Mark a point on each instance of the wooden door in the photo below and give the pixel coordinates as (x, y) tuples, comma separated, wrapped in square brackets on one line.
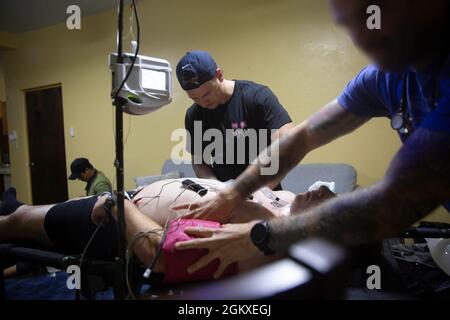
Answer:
[(46, 145)]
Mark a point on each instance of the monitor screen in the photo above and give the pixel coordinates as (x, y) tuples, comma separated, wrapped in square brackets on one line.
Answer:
[(154, 80)]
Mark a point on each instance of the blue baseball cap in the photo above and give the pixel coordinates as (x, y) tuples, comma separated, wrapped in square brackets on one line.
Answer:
[(195, 68)]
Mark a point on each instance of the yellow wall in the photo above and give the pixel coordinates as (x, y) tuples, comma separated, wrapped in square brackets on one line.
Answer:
[(290, 45), (2, 80), (8, 40)]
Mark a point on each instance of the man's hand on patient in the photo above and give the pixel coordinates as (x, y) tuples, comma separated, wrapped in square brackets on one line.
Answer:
[(229, 244), (219, 208)]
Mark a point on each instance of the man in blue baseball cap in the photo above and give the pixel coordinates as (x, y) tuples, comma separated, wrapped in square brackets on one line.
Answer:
[(234, 106)]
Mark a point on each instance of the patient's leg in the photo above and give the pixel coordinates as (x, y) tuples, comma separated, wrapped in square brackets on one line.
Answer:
[(25, 224)]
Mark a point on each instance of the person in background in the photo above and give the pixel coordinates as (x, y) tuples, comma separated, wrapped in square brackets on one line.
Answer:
[(96, 181)]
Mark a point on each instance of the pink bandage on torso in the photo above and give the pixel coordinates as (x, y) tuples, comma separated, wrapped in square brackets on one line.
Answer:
[(177, 261)]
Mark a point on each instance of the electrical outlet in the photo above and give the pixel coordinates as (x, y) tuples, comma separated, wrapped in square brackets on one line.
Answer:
[(12, 136), (72, 132)]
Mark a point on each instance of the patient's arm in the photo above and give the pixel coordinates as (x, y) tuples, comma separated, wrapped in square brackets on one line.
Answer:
[(135, 221)]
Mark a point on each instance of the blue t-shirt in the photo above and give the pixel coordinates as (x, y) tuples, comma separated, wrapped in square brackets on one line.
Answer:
[(375, 93)]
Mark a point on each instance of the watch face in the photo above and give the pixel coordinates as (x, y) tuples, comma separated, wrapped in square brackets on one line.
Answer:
[(258, 233)]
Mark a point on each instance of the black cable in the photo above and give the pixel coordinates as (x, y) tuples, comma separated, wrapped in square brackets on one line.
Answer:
[(133, 61), (102, 223), (85, 250), (155, 258), (158, 251)]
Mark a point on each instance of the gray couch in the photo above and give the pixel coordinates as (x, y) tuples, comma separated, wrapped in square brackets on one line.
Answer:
[(298, 180)]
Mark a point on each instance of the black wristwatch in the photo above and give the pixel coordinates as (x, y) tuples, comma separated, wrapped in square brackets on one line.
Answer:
[(260, 235)]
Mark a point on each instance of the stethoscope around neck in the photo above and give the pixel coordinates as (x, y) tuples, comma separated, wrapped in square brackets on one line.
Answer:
[(402, 120)]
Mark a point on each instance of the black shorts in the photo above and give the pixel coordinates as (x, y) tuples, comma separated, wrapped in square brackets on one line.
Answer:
[(69, 228)]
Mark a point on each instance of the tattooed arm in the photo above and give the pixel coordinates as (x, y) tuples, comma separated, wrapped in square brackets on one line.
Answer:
[(417, 181), (328, 124)]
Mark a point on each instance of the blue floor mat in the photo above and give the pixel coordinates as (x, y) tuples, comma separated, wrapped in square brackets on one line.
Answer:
[(49, 286)]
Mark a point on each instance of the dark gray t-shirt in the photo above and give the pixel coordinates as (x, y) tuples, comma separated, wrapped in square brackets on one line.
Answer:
[(252, 106)]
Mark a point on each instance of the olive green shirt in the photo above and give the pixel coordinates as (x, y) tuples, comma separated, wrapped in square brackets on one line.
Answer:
[(97, 184)]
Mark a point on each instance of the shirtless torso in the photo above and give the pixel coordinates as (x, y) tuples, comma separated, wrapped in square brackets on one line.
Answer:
[(156, 200)]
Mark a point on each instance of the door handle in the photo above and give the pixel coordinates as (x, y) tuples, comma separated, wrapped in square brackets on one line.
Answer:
[(32, 164)]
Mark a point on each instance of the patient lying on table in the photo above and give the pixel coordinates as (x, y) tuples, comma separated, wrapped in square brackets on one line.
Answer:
[(68, 226)]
